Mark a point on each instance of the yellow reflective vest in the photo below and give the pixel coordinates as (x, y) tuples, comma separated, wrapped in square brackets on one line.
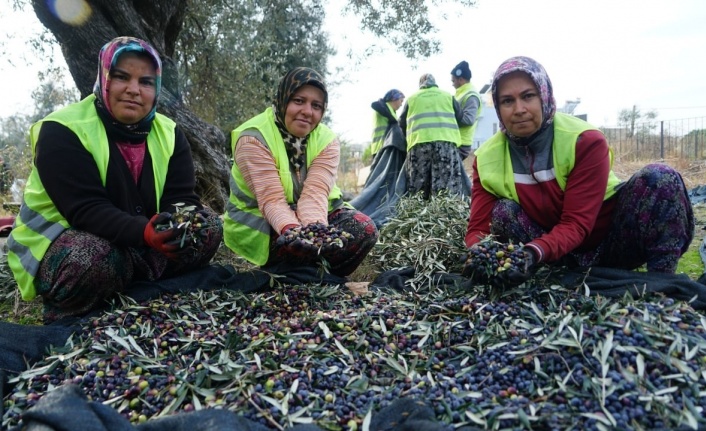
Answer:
[(39, 223), (379, 129), (245, 229), (495, 168), (463, 93), (430, 118)]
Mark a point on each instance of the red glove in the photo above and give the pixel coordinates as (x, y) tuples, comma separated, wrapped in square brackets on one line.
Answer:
[(167, 241)]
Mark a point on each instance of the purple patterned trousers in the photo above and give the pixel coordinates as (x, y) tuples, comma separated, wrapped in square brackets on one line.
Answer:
[(653, 224)]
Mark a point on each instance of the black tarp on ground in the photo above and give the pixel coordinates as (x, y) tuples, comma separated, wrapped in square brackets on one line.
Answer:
[(386, 182), (614, 283), (25, 344), (378, 199), (697, 194), (67, 409)]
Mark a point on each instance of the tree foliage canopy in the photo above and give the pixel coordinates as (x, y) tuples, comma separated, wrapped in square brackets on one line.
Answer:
[(231, 54), (222, 58), (405, 23), (47, 97), (635, 121)]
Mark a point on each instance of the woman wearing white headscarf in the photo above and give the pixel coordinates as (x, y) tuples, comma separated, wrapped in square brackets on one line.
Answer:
[(430, 122)]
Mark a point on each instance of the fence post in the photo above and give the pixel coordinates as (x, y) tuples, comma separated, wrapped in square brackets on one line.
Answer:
[(673, 139), (661, 139), (637, 145)]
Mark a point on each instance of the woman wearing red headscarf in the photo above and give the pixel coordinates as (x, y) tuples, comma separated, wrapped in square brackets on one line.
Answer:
[(108, 173)]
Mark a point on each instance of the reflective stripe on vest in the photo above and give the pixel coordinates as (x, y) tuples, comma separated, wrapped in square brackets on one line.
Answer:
[(463, 93), (431, 118), (31, 232), (246, 231), (39, 223), (495, 167)]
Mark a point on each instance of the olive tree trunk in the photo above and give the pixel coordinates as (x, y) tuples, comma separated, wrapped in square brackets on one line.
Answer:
[(158, 22)]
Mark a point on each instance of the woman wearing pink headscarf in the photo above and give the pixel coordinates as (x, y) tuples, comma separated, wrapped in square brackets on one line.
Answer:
[(545, 180)]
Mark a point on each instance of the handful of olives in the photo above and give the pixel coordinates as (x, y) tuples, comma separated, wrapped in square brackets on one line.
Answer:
[(192, 222), (316, 237), (488, 259)]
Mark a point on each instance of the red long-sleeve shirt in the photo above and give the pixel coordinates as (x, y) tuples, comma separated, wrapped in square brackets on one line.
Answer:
[(574, 219)]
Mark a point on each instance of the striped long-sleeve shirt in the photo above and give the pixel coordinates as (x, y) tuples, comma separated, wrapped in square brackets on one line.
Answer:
[(259, 170)]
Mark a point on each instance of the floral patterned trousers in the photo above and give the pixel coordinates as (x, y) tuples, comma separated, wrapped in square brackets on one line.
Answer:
[(80, 271), (653, 224)]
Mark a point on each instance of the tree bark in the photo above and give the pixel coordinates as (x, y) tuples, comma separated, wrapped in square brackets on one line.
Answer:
[(159, 23)]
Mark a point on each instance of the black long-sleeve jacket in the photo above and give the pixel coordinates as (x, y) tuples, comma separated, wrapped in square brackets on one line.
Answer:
[(119, 211)]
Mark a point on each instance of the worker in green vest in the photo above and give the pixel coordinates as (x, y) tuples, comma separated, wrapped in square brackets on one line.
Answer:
[(108, 176), (386, 135), (471, 106), (284, 205), (545, 181), (377, 198), (430, 121), (385, 116)]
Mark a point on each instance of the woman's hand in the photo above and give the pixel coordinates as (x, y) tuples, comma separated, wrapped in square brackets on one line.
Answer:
[(292, 243), (499, 264), (166, 241), (518, 274)]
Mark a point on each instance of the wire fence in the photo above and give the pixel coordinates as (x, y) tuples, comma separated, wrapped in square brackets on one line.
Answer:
[(683, 139), (658, 140)]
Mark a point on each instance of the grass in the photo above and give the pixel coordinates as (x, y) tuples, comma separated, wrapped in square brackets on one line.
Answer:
[(691, 262)]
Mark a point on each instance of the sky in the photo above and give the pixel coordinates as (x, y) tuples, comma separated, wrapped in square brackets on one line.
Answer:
[(612, 54)]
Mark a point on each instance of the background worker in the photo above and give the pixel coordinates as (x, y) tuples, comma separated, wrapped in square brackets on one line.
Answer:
[(429, 121), (386, 130), (470, 103), (389, 147), (385, 116)]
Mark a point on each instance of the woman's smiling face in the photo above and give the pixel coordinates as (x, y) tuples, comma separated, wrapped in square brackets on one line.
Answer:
[(304, 110)]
